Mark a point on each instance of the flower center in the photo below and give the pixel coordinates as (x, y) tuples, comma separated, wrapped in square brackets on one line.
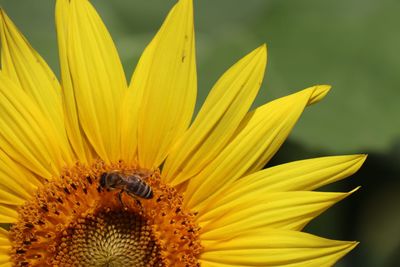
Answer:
[(103, 215), (110, 238)]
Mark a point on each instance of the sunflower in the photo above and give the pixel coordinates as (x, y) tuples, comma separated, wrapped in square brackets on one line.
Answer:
[(96, 171)]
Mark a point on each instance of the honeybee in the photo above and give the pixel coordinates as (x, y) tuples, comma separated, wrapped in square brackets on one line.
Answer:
[(132, 184)]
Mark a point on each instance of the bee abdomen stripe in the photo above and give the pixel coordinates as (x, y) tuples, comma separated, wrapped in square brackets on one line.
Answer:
[(149, 193), (144, 190), (141, 189)]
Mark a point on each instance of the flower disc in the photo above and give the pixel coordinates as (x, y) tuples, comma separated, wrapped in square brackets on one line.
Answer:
[(74, 221), (109, 238)]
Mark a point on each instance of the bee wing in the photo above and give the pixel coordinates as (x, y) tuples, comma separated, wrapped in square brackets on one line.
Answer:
[(117, 181), (120, 183), (133, 178), (143, 174)]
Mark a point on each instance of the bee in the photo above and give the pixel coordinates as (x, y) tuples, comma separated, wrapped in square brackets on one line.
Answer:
[(132, 184)]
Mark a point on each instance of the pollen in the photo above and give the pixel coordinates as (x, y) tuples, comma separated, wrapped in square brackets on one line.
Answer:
[(74, 221)]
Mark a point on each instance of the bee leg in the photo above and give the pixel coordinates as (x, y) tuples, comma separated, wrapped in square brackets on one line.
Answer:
[(137, 200), (139, 203), (120, 199)]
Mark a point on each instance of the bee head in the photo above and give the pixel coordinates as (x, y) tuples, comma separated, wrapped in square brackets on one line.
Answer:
[(103, 178)]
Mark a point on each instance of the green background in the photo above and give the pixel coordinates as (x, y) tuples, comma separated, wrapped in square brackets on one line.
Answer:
[(351, 44)]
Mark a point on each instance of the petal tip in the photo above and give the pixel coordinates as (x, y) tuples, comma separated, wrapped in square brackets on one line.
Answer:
[(344, 195), (3, 15), (264, 49), (319, 92), (349, 246), (185, 3), (261, 52), (352, 245), (360, 159), (353, 191)]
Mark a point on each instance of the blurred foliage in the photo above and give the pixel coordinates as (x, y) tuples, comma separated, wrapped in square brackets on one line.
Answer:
[(350, 44)]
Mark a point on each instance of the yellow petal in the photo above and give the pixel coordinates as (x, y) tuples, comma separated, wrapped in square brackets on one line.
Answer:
[(5, 260), (282, 210), (162, 92), (4, 237), (29, 71), (97, 77), (224, 108), (12, 170), (10, 198), (16, 183), (4, 251), (211, 264), (8, 214), (78, 140), (298, 175), (258, 137), (273, 247), (26, 135), (5, 247)]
